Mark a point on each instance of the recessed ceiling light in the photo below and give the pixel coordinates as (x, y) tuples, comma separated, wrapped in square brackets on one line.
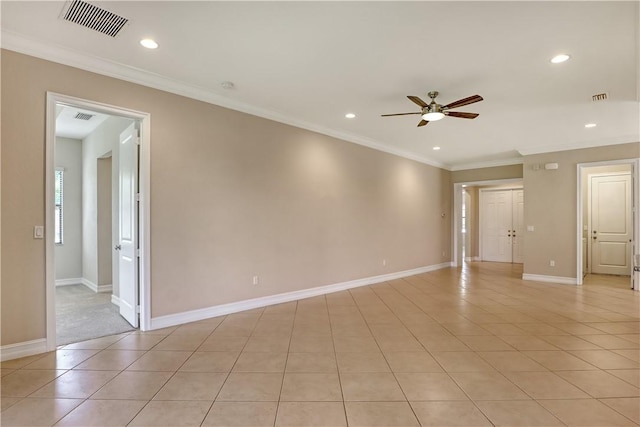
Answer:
[(560, 58), (350, 116), (149, 43), (436, 148), (590, 125)]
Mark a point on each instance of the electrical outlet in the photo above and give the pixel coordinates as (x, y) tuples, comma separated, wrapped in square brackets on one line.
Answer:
[(256, 280), (384, 262), (552, 263)]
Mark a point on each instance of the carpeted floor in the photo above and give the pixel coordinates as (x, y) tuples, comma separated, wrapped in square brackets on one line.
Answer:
[(82, 314)]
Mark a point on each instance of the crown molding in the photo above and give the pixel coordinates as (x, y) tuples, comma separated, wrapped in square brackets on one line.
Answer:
[(70, 57), (488, 164), (615, 140)]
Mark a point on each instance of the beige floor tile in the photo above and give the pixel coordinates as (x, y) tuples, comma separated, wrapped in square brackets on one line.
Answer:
[(605, 359), (350, 330), (6, 402), (75, 384), (312, 362), (559, 361), (541, 329), (576, 328), (627, 406), (507, 361), (524, 343), (376, 386), (442, 343), (111, 360), (241, 414), (184, 342), (162, 331), (316, 329), (632, 376), (348, 344), (569, 342), (311, 344), (449, 414), (275, 344), (95, 344), (613, 327), (518, 413), (5, 372), (22, 383), (203, 328), (387, 414), (299, 387), (429, 386), (251, 387), (585, 412), (153, 360), (131, 385), (99, 413), (362, 362), (487, 386), (600, 384), (260, 362), (502, 329), (173, 413), (210, 361), (22, 361), (235, 328), (545, 385), (223, 343), (192, 386), (431, 329), (412, 361), (61, 359), (38, 412), (629, 354), (485, 343), (610, 342), (465, 328), (136, 342), (294, 414), (461, 361), (399, 343)]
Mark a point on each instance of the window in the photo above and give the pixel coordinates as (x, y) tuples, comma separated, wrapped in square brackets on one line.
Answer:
[(59, 204)]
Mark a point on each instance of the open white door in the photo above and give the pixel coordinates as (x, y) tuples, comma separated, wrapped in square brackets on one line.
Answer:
[(128, 232)]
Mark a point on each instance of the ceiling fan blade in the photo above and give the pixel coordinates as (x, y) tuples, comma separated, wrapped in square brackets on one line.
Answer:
[(461, 114), (465, 101), (398, 114), (423, 123), (417, 100)]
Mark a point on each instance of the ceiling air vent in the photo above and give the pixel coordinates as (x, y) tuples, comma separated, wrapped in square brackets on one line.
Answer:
[(600, 96), (83, 116), (93, 17)]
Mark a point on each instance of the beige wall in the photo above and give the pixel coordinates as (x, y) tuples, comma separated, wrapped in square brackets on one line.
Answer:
[(487, 174), (232, 196), (550, 206), (104, 222)]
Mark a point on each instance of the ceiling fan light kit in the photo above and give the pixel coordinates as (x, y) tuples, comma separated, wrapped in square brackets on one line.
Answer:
[(433, 111)]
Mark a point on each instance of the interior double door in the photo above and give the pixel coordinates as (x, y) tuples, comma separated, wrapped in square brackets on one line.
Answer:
[(501, 225)]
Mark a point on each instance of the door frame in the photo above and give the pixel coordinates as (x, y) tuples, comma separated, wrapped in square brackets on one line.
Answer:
[(456, 231), (635, 175), (144, 209)]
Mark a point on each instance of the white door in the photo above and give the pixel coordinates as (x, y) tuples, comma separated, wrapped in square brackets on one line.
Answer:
[(496, 226), (502, 213), (610, 228), (517, 226), (128, 231)]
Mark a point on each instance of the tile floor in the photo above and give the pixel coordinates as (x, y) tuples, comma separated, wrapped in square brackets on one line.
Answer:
[(466, 347)]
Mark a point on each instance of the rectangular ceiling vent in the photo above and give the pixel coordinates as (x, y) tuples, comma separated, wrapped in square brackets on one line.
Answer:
[(600, 96), (83, 116), (95, 18)]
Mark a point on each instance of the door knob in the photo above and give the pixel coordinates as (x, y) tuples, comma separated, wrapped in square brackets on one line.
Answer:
[(118, 247)]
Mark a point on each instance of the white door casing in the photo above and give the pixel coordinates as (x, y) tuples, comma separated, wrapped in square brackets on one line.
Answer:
[(610, 225), (128, 231), (502, 229)]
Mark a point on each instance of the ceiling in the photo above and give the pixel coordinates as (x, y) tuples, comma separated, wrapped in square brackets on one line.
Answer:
[(77, 123), (309, 63)]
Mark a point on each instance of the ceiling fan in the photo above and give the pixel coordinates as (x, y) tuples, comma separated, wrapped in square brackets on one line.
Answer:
[(434, 111)]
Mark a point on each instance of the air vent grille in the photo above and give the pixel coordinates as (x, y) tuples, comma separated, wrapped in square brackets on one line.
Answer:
[(83, 116), (95, 18), (600, 96)]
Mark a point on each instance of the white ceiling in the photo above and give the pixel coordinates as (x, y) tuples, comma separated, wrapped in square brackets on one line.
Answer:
[(309, 63), (68, 126)]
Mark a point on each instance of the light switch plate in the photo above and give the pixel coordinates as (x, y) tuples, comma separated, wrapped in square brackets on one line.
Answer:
[(38, 232)]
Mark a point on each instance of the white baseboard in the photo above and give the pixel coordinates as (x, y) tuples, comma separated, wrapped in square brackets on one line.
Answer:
[(115, 300), (97, 288), (67, 282), (234, 307), (23, 349), (550, 279)]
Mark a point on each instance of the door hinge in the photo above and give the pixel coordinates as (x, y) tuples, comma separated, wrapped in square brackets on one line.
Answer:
[(137, 309), (138, 252), (137, 197)]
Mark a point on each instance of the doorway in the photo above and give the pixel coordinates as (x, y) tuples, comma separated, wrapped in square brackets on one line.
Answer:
[(106, 208), (607, 226), (501, 224)]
